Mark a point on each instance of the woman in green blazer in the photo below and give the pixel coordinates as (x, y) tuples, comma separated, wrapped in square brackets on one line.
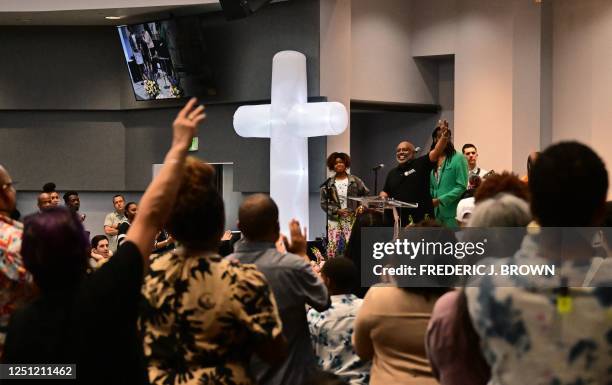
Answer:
[(448, 181)]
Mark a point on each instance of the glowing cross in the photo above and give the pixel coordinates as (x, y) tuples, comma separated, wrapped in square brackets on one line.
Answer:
[(288, 121)]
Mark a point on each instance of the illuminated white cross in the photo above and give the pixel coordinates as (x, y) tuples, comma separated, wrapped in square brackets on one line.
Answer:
[(288, 121)]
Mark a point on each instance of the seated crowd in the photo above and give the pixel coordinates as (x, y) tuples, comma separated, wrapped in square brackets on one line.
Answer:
[(156, 300)]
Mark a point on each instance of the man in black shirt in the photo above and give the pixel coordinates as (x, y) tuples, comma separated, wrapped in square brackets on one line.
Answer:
[(409, 181)]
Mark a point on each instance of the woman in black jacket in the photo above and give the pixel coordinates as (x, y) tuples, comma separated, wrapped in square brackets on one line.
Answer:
[(341, 210)]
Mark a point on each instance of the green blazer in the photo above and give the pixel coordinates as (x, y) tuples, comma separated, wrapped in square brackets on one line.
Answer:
[(449, 188)]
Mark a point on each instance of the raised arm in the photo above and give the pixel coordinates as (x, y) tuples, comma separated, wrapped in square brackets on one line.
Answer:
[(159, 197), (442, 142)]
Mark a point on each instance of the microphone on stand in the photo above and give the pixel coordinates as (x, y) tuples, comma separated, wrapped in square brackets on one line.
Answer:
[(378, 167)]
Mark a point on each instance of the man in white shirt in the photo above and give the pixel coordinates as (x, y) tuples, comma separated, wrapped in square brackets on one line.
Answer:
[(113, 220), (471, 155)]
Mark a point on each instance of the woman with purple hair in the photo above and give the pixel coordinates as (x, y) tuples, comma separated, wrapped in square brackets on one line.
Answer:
[(90, 320)]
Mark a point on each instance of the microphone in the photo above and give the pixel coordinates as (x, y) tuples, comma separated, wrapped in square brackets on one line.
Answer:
[(378, 167), (417, 150)]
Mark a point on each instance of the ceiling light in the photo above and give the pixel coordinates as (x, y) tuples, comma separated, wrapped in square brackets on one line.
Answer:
[(113, 17)]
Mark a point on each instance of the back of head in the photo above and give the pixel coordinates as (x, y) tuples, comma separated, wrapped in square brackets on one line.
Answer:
[(568, 186), (434, 286), (55, 248), (48, 187), (258, 218), (197, 218), (503, 210), (506, 182), (342, 274)]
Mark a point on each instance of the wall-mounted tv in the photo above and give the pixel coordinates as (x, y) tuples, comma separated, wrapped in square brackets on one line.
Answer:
[(166, 59)]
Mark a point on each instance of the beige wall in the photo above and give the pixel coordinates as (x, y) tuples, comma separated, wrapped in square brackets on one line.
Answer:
[(582, 74), (336, 62), (383, 68), (497, 91), (526, 84)]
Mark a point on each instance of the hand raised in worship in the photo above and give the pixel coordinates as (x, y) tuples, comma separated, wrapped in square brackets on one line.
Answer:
[(444, 131), (298, 243), (227, 235), (184, 127)]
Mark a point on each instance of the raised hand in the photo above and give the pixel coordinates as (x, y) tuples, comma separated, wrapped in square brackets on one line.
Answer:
[(185, 125), (298, 243)]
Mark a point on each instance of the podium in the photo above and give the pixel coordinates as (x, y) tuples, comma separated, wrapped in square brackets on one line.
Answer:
[(380, 204)]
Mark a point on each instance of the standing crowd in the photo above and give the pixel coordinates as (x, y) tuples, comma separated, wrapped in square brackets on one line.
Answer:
[(152, 300)]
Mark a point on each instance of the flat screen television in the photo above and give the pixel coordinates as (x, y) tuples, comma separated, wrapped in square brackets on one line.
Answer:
[(166, 59)]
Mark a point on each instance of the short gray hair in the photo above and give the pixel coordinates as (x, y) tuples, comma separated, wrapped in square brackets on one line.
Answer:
[(503, 210)]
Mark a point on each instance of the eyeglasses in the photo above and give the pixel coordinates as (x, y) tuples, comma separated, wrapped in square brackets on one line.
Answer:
[(9, 184)]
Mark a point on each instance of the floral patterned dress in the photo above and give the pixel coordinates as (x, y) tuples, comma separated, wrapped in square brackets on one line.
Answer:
[(14, 280), (204, 316)]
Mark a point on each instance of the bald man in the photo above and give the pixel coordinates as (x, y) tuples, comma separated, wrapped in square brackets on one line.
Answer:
[(44, 201), (292, 280), (14, 281), (409, 181)]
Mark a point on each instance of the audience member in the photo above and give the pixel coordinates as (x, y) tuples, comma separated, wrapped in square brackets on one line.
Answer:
[(163, 242), (409, 181), (531, 159), (448, 180), (90, 320), (453, 347), (100, 252), (331, 330), (452, 344), (369, 218), (471, 155), (14, 280), (293, 282), (113, 220), (542, 327), (44, 201), (205, 316), (50, 189), (506, 182), (73, 202), (341, 210), (130, 213), (390, 330), (464, 211), (391, 325), (503, 210)]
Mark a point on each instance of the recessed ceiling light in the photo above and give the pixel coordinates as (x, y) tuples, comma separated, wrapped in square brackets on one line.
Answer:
[(113, 17), (25, 20)]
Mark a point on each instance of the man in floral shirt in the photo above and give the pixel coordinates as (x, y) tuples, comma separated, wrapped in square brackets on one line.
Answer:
[(13, 277), (331, 330)]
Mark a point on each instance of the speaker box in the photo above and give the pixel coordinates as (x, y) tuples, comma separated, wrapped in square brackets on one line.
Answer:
[(238, 9)]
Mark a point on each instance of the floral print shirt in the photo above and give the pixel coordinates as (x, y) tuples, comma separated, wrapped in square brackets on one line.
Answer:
[(14, 280), (526, 336), (204, 315), (331, 332)]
